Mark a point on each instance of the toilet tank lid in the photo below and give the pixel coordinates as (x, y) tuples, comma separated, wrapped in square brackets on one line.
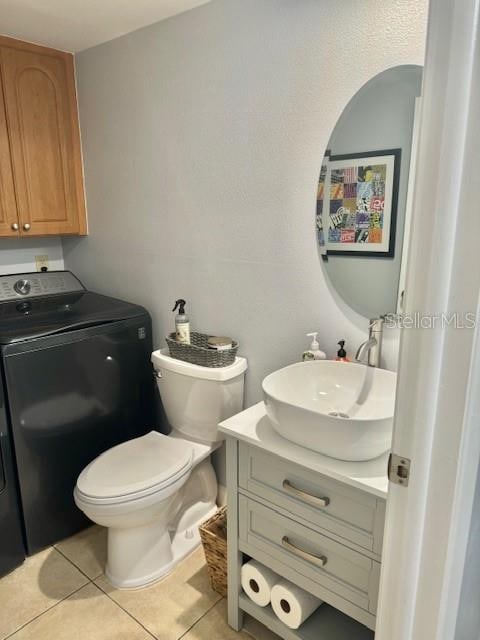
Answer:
[(162, 360)]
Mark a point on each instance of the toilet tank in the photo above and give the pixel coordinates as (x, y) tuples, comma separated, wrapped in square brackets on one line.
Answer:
[(197, 398)]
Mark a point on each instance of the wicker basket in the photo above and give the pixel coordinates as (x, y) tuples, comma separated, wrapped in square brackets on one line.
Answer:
[(198, 352), (213, 533)]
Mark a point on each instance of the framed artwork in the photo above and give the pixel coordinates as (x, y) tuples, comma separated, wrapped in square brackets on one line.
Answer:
[(359, 197)]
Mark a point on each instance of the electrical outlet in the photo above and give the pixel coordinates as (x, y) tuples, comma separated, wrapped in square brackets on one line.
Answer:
[(42, 263)]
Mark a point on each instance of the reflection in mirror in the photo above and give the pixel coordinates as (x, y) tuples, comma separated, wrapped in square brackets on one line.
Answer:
[(363, 203)]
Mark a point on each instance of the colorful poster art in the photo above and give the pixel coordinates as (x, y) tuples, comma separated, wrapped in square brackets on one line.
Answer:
[(357, 203)]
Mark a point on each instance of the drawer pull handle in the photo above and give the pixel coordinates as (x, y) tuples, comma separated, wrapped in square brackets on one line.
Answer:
[(319, 561), (303, 495)]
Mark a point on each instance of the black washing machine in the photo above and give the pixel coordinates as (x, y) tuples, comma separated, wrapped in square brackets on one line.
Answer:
[(12, 550), (77, 380)]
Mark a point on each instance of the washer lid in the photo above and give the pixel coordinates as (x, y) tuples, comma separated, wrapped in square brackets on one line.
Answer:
[(56, 314), (154, 460)]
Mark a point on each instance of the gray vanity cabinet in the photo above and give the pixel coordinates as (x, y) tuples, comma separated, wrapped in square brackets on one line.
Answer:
[(346, 514), (315, 531)]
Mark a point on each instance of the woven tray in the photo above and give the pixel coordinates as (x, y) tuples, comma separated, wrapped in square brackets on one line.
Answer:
[(213, 533), (197, 352)]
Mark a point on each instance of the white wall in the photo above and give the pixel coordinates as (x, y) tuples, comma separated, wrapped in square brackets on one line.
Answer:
[(18, 256), (202, 138)]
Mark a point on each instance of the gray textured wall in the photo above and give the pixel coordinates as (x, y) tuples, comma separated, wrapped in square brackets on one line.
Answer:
[(202, 138), (17, 255), (380, 116)]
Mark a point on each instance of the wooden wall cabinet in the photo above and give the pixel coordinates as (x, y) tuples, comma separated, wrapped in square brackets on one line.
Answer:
[(41, 178)]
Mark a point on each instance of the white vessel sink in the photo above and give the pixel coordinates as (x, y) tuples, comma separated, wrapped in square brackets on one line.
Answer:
[(341, 409)]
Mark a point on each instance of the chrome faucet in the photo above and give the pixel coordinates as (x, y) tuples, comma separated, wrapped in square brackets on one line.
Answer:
[(373, 346)]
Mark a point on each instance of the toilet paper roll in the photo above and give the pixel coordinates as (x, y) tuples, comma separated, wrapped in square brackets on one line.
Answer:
[(257, 582), (293, 605)]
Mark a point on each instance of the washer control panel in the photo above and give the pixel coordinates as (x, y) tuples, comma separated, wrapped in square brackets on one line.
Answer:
[(30, 285), (22, 287)]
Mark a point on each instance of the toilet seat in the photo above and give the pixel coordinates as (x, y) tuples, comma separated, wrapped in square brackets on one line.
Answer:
[(134, 469)]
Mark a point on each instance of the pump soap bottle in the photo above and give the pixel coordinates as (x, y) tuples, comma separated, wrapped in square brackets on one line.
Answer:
[(341, 353), (182, 323), (314, 353)]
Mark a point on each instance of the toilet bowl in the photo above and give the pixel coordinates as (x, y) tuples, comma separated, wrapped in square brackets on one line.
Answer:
[(152, 492)]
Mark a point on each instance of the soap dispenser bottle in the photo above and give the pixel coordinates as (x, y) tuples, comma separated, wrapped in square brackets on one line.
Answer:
[(314, 353), (341, 353), (182, 323)]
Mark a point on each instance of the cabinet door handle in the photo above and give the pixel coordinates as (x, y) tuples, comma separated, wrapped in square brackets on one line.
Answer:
[(15, 226), (26, 227), (319, 561), (317, 501)]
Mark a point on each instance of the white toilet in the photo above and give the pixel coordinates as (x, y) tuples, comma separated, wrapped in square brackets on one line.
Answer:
[(153, 492)]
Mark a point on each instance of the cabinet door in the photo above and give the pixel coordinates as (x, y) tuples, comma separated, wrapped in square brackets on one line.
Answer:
[(8, 203), (42, 121)]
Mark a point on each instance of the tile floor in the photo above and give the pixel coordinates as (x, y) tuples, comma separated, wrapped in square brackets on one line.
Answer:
[(62, 594)]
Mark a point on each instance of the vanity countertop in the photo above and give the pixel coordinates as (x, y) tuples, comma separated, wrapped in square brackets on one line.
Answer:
[(253, 426)]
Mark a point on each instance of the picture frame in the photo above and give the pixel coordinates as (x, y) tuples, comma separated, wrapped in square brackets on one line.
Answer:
[(359, 203)]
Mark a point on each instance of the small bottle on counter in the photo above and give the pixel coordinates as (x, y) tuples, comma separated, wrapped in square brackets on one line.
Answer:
[(341, 353), (314, 353)]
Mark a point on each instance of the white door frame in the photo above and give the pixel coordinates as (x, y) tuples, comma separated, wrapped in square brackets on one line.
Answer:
[(409, 204), (438, 403)]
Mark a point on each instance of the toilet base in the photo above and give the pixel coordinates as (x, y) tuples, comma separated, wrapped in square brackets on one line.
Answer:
[(158, 548), (185, 542), (138, 556)]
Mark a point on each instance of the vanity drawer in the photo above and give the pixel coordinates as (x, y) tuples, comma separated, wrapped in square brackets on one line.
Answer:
[(332, 565), (334, 507)]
